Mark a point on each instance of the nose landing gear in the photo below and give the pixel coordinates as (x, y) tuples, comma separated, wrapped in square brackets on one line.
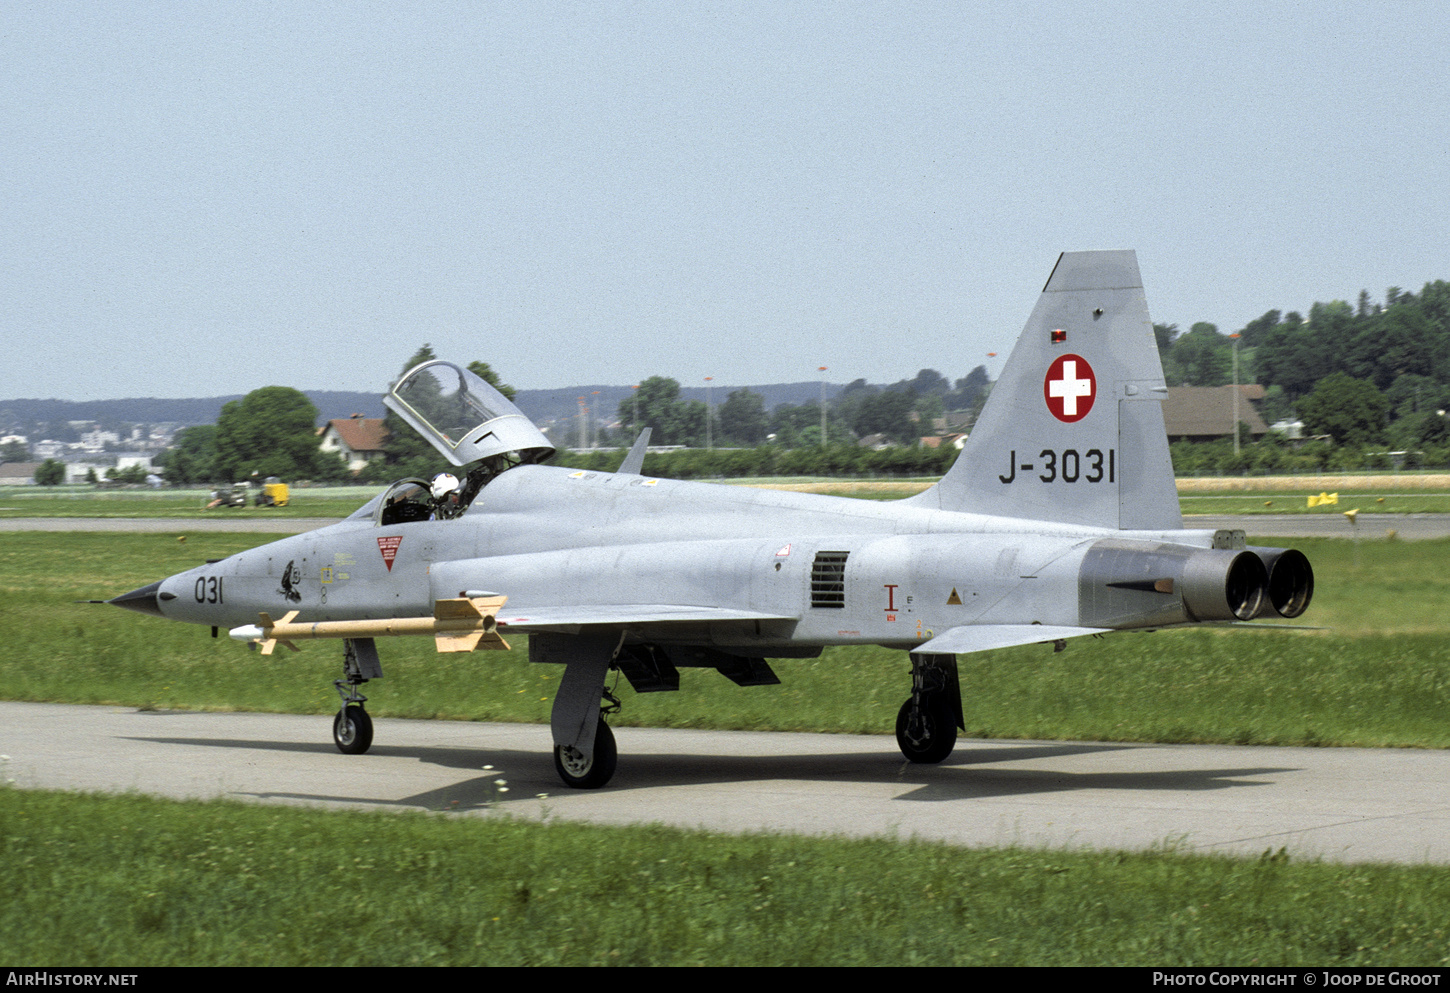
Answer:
[(352, 728)]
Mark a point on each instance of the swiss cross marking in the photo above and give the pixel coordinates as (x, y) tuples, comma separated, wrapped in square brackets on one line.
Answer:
[(1070, 388)]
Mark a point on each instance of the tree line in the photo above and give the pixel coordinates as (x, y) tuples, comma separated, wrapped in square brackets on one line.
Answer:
[(1365, 380), (272, 432), (901, 413)]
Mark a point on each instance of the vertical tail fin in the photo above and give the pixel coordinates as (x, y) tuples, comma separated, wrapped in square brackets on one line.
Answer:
[(1073, 430)]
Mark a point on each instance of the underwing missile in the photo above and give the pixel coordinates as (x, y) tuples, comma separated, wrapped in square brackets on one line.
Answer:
[(464, 624)]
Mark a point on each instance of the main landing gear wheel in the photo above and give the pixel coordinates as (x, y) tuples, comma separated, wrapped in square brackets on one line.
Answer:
[(582, 773), (352, 730), (926, 734)]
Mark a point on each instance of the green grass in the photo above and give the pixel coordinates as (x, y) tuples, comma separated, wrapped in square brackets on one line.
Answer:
[(34, 501), (158, 883), (1380, 676)]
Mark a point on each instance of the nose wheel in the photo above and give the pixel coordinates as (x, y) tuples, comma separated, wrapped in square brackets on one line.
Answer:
[(352, 730)]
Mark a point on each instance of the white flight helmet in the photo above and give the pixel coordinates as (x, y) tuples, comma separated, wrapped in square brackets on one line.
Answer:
[(443, 484)]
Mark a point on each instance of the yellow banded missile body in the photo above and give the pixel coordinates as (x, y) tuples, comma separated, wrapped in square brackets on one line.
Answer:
[(464, 624)]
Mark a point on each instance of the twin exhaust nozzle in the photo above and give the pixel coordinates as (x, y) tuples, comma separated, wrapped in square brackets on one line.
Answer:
[(1254, 583), (1132, 583)]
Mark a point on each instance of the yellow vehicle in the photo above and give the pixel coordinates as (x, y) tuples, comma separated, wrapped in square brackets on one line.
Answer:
[(274, 493)]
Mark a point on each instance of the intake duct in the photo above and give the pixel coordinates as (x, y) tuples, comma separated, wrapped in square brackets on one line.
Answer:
[(1291, 579), (1126, 583)]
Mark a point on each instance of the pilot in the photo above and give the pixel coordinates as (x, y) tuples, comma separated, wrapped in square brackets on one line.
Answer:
[(446, 496)]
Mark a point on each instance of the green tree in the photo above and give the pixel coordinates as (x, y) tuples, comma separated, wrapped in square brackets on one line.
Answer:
[(1405, 345), (656, 404), (50, 473), (1294, 356), (269, 432), (1258, 329), (192, 456), (1204, 356), (131, 474), (1349, 410), (742, 417), (970, 391), (485, 372), (406, 452), (14, 451), (887, 413)]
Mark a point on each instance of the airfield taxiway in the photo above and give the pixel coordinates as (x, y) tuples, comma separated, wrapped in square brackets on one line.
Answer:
[(1339, 804)]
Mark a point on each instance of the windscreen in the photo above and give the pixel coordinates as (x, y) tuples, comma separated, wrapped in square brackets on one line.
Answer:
[(464, 417)]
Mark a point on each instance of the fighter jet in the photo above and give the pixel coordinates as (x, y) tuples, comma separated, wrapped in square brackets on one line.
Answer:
[(1059, 519)]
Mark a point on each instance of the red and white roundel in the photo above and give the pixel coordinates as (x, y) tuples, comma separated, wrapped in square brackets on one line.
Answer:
[(1070, 388)]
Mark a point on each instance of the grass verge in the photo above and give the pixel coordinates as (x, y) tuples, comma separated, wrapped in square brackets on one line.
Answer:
[(159, 883)]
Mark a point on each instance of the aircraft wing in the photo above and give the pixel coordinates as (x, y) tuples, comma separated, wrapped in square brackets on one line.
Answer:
[(616, 615), (983, 637)]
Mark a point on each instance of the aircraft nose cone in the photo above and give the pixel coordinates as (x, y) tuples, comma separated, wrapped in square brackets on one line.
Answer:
[(147, 599)]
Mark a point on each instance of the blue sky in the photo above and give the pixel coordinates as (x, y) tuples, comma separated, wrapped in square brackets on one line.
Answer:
[(203, 199)]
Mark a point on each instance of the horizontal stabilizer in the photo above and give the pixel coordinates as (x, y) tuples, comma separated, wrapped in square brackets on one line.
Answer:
[(985, 637)]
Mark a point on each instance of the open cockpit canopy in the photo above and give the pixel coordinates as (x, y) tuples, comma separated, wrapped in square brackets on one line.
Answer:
[(464, 417)]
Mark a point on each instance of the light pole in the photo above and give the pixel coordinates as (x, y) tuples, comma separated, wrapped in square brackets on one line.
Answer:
[(1235, 337), (595, 395), (822, 371), (709, 443)]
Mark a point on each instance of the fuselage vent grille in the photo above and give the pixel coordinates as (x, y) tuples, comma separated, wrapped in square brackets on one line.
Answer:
[(828, 579)]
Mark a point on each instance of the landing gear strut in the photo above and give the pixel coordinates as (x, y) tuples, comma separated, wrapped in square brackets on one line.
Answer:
[(585, 755), (352, 728), (926, 726)]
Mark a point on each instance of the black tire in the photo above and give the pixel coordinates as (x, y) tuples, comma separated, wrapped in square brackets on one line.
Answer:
[(580, 774), (352, 731), (932, 738)]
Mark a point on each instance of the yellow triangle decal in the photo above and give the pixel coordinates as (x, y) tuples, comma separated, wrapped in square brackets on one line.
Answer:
[(954, 599)]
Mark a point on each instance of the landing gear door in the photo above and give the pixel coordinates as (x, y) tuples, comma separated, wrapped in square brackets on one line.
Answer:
[(464, 417)]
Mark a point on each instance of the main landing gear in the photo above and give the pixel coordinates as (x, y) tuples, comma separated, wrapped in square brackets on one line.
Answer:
[(585, 755), (926, 725)]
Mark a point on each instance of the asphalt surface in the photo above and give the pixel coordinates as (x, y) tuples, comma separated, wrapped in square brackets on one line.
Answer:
[(1340, 804)]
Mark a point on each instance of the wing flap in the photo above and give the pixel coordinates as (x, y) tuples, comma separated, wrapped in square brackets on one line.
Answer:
[(985, 637)]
